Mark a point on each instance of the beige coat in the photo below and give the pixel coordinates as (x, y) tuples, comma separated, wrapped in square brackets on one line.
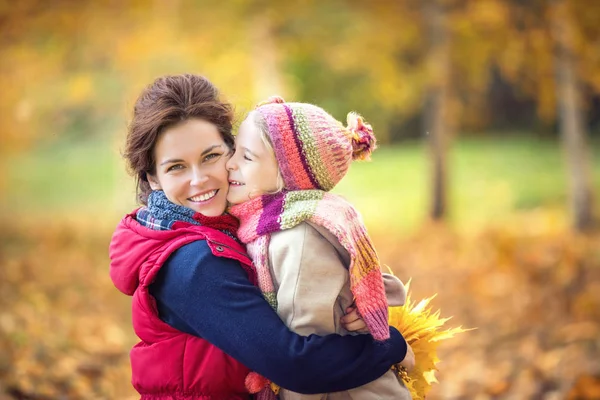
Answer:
[(310, 275)]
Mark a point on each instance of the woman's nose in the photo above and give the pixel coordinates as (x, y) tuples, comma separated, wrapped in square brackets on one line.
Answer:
[(198, 177)]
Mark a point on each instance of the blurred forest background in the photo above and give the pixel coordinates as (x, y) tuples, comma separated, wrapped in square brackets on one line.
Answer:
[(488, 118)]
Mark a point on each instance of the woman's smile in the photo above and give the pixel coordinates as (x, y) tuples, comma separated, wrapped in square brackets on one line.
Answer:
[(204, 197)]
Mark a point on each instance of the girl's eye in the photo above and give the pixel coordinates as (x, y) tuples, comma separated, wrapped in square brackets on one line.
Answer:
[(247, 158), (174, 167)]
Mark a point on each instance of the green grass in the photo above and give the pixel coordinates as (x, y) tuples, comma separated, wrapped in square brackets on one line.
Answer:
[(491, 179), (83, 177)]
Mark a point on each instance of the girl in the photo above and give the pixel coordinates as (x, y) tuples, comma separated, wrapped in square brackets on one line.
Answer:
[(200, 319), (312, 253)]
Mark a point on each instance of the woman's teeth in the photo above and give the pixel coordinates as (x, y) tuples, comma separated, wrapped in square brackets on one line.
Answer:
[(236, 183), (204, 197)]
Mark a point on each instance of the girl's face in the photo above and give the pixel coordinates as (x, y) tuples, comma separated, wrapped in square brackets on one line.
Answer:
[(253, 169), (190, 167)]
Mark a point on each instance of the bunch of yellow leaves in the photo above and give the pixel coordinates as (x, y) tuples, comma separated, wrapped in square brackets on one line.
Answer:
[(422, 330)]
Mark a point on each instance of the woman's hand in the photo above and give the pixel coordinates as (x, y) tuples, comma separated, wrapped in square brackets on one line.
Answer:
[(353, 322), (409, 360)]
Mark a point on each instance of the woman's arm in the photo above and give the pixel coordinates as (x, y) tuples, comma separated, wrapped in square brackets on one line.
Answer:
[(211, 297)]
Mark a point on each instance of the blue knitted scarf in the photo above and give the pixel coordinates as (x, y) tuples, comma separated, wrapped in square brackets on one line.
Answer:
[(160, 214)]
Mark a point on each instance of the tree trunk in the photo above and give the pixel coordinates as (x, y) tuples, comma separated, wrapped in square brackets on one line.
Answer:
[(436, 121), (571, 120)]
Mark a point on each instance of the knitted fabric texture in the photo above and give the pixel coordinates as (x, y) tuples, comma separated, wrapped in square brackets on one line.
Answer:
[(161, 214), (266, 214), (313, 149)]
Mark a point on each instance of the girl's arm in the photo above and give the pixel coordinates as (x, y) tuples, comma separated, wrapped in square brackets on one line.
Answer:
[(395, 291), (211, 297), (311, 280), (309, 269)]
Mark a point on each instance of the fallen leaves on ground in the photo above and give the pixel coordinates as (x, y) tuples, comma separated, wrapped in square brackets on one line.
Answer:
[(533, 295)]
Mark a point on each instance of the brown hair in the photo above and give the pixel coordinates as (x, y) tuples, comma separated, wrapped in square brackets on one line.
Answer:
[(170, 100)]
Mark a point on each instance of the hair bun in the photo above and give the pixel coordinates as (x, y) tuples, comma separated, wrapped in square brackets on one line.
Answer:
[(363, 138), (272, 100)]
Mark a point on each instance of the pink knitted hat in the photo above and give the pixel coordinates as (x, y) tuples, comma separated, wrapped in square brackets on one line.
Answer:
[(313, 149)]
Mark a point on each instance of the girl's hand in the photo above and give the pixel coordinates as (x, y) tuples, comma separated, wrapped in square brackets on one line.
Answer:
[(353, 322)]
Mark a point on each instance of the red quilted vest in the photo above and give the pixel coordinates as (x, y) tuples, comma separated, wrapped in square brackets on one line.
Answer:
[(167, 363)]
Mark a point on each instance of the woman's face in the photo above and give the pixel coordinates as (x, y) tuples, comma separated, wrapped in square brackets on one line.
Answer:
[(253, 169), (190, 167)]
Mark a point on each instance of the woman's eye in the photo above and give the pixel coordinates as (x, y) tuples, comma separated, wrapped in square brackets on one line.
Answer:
[(212, 156), (174, 167), (247, 158)]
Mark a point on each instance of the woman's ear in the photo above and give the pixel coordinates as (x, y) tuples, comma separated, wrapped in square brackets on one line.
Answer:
[(153, 181)]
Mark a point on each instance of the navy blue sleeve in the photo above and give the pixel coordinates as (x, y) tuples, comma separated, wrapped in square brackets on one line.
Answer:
[(211, 297)]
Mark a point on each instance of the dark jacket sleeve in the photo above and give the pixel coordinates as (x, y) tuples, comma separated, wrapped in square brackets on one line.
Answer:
[(211, 297)]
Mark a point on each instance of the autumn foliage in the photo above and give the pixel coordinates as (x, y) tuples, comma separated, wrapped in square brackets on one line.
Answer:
[(69, 75), (532, 294), (76, 66), (423, 329), (64, 331)]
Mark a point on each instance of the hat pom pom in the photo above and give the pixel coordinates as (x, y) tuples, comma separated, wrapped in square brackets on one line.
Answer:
[(256, 382), (363, 138), (272, 100)]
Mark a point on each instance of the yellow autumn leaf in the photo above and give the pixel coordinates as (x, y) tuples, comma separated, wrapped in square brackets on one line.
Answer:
[(421, 327)]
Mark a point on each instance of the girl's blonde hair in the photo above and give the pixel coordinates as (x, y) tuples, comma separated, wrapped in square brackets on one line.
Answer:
[(263, 129)]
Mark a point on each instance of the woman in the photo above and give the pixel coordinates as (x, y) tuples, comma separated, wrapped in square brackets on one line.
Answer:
[(201, 320)]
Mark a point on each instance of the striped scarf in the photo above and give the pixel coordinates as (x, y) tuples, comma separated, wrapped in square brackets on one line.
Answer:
[(162, 215), (266, 214)]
